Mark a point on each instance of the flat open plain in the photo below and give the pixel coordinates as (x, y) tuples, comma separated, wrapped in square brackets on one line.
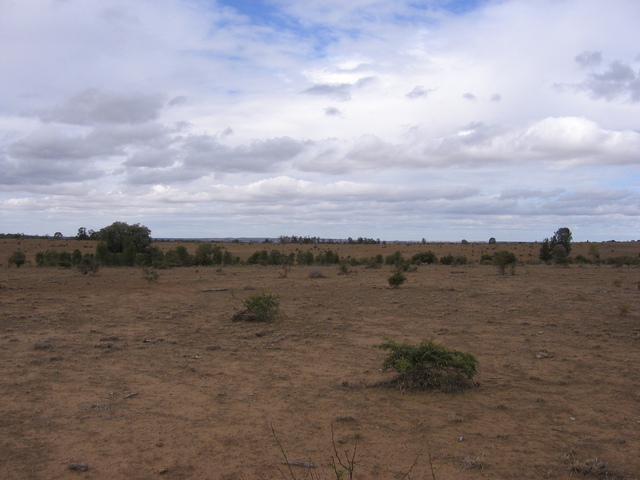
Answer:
[(154, 380)]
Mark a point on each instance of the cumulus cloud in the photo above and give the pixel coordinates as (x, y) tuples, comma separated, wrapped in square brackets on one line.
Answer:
[(185, 110)]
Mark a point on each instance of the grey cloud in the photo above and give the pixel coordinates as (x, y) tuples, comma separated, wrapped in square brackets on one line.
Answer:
[(51, 143), (469, 96), (589, 59), (162, 176), (91, 106), (618, 81), (260, 156), (341, 91), (333, 112), (595, 203), (177, 100), (419, 92), (152, 158), (338, 91), (496, 97), (35, 172), (527, 194)]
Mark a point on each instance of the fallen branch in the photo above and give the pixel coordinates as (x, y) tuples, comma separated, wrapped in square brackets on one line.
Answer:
[(214, 290)]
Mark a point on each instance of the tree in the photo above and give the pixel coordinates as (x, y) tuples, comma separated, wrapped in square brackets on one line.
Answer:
[(119, 235), (505, 259), (58, 235), (492, 241), (559, 254), (562, 237), (545, 251), (82, 234)]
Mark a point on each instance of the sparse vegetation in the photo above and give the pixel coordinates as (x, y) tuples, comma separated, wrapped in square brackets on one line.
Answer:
[(424, 257), (397, 279), (261, 307), (593, 467), (17, 258), (624, 308), (429, 365), (151, 275), (316, 274), (505, 260)]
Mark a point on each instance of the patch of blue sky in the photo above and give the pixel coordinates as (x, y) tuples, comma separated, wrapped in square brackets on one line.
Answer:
[(631, 182), (457, 7), (264, 13)]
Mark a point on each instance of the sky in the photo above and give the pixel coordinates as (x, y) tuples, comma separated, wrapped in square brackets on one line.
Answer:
[(390, 119)]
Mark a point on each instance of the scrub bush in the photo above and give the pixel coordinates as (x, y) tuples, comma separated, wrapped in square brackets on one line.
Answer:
[(429, 365)]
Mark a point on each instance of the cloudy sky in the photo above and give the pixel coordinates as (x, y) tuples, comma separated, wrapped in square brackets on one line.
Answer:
[(391, 119)]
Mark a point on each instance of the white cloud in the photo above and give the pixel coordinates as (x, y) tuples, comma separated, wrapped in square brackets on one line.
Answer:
[(322, 114)]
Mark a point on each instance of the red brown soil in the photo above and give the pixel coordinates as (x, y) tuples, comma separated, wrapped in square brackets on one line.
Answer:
[(558, 348)]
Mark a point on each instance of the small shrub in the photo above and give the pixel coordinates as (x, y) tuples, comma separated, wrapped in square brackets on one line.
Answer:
[(396, 279), (343, 269), (486, 259), (593, 467), (624, 308), (151, 275), (88, 265), (447, 260), (17, 258), (394, 258), (429, 365), (316, 274), (424, 257), (261, 307)]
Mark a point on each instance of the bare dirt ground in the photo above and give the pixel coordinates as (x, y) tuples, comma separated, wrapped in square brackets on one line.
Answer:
[(143, 380)]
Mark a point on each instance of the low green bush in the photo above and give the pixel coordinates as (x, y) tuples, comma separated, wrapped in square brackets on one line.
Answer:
[(396, 279), (429, 365), (261, 307), (17, 258)]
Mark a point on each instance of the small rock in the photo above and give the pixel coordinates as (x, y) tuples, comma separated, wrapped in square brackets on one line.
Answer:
[(81, 467)]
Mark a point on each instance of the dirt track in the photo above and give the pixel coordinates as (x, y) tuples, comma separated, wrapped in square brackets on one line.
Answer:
[(144, 381)]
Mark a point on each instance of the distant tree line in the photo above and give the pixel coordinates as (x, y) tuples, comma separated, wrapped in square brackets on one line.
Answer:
[(306, 240)]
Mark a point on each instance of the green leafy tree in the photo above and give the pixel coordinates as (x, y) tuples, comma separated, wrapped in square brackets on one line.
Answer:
[(546, 251), (208, 254), (120, 235), (504, 260), (562, 237), (82, 234), (559, 254)]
